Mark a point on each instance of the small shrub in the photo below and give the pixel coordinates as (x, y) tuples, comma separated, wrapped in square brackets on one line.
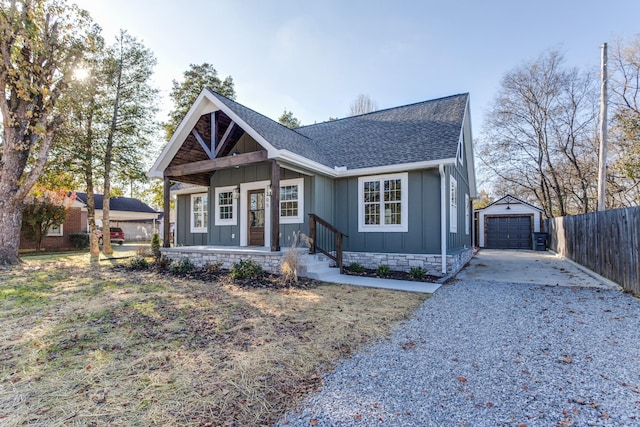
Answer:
[(79, 240), (213, 267), (155, 246), (184, 266), (356, 268), (163, 263), (417, 272), (138, 263), (246, 269), (383, 271)]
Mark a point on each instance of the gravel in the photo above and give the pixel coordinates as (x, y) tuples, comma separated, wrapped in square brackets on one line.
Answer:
[(489, 354)]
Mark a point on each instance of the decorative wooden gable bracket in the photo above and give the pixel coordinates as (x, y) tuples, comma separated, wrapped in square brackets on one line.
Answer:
[(226, 139), (203, 144), (216, 147)]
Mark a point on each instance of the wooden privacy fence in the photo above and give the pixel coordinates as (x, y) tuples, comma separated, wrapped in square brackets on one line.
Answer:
[(605, 242)]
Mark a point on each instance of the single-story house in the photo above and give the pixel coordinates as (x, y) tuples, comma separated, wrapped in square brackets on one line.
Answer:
[(508, 223), (137, 220), (389, 187)]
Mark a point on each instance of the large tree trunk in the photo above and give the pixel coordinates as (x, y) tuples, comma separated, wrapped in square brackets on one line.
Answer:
[(15, 185), (10, 224)]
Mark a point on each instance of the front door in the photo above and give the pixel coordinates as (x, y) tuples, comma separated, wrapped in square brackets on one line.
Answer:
[(256, 218)]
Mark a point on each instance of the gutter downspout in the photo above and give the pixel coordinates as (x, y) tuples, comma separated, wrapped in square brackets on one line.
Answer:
[(443, 218)]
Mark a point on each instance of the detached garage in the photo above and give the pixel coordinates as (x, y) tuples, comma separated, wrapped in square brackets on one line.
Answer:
[(508, 223)]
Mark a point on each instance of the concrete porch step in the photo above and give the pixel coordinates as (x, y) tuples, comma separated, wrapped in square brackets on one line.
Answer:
[(316, 267)]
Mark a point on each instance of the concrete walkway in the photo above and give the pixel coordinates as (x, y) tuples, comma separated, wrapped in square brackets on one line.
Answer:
[(522, 266), (372, 282)]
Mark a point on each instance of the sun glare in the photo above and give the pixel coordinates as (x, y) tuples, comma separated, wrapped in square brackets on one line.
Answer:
[(81, 74)]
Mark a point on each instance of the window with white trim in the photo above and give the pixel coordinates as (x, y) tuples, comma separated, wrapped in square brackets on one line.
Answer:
[(199, 212), (453, 205), (461, 150), (55, 231), (383, 203), (225, 206), (467, 214), (292, 201)]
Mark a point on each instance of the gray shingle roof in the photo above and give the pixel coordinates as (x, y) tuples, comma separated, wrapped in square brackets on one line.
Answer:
[(280, 136), (126, 204), (424, 131)]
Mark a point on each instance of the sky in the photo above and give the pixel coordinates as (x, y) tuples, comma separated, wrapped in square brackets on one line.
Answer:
[(315, 57)]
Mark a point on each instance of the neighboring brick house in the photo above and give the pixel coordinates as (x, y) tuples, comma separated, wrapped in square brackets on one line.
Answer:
[(58, 238), (137, 219)]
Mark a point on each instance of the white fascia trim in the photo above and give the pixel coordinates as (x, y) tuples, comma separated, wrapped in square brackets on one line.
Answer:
[(301, 161), (190, 190), (272, 152), (199, 107), (471, 167), (298, 160), (381, 170)]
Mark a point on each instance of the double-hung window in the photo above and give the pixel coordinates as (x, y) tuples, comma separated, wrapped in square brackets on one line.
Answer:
[(383, 203), (453, 205), (292, 201), (225, 206), (199, 213)]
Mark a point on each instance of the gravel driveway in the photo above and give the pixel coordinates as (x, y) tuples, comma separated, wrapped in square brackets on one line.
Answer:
[(494, 354)]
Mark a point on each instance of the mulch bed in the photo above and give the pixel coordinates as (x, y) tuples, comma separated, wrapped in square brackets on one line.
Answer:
[(397, 275), (265, 281)]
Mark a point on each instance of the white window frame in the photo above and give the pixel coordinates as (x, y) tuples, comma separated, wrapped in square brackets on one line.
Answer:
[(299, 219), (453, 205), (202, 229), (56, 231), (461, 150), (467, 214), (403, 227), (234, 206)]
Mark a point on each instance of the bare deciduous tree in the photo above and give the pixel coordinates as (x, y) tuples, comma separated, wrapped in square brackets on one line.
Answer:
[(363, 104), (539, 138), (623, 185)]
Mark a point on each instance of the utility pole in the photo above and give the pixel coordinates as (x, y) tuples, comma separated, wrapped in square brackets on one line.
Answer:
[(602, 158)]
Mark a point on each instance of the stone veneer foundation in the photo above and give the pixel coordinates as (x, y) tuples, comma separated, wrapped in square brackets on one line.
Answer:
[(404, 262), (201, 255), (271, 261)]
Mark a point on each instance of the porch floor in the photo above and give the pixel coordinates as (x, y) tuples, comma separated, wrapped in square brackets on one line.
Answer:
[(241, 250)]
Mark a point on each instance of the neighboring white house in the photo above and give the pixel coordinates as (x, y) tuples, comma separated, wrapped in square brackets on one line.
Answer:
[(508, 223)]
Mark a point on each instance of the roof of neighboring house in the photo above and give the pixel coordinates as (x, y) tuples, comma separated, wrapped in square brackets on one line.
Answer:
[(510, 199), (125, 204), (425, 131)]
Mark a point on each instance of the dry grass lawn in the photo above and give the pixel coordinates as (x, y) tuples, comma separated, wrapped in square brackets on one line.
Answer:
[(88, 344)]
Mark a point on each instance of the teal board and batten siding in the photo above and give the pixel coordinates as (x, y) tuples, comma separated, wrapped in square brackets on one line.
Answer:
[(459, 240), (423, 235), (184, 236), (323, 198)]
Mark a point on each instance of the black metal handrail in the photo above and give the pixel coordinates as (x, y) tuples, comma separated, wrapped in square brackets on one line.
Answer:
[(326, 239)]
